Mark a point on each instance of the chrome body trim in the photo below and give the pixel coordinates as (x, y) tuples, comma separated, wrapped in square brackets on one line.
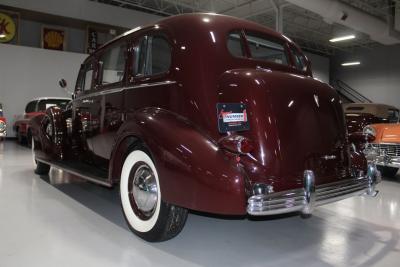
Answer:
[(120, 89), (307, 198)]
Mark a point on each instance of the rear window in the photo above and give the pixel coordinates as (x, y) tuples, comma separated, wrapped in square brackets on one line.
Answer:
[(45, 104), (262, 48), (31, 107)]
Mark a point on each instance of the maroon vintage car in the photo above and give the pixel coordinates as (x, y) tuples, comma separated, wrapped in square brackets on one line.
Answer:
[(208, 113), (33, 108)]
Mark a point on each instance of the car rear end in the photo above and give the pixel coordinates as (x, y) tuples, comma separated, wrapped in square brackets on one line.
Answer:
[(301, 157)]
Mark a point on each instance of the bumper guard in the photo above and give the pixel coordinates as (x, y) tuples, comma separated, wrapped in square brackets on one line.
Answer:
[(310, 196)]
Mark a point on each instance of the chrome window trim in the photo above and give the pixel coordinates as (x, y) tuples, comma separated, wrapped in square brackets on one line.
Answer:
[(117, 90)]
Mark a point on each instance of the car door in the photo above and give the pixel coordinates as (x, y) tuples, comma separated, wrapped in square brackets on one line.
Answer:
[(150, 79), (83, 107), (107, 113)]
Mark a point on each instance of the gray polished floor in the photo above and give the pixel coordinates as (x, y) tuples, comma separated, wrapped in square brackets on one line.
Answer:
[(59, 220)]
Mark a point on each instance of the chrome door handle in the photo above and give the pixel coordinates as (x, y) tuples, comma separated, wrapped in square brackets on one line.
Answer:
[(87, 101)]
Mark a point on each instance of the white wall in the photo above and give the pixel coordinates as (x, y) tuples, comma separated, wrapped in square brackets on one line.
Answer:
[(378, 76), (320, 66), (86, 10), (27, 73)]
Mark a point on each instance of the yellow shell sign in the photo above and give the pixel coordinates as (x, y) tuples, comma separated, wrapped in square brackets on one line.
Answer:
[(54, 39), (7, 28)]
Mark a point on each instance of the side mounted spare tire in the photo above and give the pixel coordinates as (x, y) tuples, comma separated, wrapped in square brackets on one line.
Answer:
[(53, 127), (147, 215)]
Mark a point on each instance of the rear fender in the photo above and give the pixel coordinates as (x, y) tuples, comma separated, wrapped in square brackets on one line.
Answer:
[(194, 173)]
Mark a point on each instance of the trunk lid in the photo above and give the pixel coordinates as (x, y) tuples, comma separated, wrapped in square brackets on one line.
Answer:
[(296, 123)]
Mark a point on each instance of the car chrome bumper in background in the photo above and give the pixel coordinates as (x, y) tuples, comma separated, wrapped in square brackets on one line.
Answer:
[(384, 154), (306, 198)]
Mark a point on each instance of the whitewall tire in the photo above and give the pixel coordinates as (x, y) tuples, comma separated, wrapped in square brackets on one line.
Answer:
[(147, 215), (139, 224)]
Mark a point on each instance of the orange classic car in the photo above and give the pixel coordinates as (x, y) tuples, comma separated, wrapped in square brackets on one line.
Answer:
[(385, 149)]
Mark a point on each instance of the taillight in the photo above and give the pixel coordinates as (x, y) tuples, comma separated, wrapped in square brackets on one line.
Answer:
[(236, 144)]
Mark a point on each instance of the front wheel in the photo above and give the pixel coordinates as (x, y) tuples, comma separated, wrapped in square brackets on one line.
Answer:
[(40, 167), (387, 171), (147, 215)]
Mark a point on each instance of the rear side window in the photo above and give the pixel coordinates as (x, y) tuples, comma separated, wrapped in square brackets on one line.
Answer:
[(262, 48), (113, 65), (152, 56), (31, 107), (235, 45), (88, 79)]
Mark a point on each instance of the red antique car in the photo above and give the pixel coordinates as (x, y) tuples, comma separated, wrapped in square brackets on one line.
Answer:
[(33, 108), (3, 124), (204, 112)]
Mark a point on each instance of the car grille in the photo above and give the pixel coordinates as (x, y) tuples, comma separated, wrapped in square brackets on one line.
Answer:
[(388, 149)]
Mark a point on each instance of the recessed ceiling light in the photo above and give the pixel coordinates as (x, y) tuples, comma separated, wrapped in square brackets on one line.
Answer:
[(351, 63), (342, 38)]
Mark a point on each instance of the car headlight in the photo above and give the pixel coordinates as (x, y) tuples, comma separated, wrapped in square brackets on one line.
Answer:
[(2, 126), (369, 130)]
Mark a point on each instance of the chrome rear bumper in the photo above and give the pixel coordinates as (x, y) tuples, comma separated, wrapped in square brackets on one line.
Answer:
[(310, 196)]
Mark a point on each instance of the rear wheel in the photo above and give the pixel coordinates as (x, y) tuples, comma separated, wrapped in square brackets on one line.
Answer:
[(147, 215), (40, 167), (388, 171)]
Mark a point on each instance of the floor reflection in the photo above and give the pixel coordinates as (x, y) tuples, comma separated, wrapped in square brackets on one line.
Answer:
[(79, 223)]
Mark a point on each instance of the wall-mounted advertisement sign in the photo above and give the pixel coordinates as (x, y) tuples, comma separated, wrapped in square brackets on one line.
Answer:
[(53, 38), (9, 23)]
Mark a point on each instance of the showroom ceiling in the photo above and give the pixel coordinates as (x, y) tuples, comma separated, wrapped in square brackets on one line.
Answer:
[(308, 29)]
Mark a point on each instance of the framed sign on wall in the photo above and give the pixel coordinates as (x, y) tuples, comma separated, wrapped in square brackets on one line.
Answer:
[(9, 27), (97, 36), (53, 38)]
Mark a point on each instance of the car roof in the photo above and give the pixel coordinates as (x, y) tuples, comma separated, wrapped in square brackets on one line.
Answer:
[(197, 21)]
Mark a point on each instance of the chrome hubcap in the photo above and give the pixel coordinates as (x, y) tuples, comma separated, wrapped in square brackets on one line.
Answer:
[(145, 190), (49, 129)]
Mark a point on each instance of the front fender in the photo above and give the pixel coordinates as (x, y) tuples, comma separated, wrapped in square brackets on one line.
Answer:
[(194, 173)]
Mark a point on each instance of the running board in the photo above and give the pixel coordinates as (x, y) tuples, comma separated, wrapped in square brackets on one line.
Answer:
[(84, 174)]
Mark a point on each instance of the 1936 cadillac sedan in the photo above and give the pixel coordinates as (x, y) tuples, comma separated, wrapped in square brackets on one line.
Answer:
[(203, 112)]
